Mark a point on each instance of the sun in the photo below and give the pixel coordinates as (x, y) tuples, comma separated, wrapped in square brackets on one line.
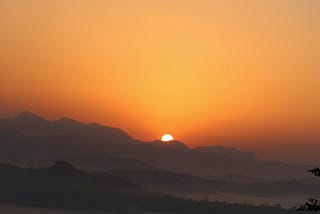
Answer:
[(166, 138)]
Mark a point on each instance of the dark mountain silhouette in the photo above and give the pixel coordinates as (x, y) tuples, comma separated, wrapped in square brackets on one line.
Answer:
[(62, 186), (29, 116), (174, 144), (30, 139), (30, 124)]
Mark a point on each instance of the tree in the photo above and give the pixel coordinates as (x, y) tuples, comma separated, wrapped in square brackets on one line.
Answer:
[(312, 204)]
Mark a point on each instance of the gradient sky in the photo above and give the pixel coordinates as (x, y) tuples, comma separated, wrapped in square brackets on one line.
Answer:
[(240, 73)]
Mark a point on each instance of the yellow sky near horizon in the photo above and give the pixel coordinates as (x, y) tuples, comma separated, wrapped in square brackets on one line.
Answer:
[(201, 70)]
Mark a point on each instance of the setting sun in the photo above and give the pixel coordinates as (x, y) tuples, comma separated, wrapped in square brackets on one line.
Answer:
[(166, 138)]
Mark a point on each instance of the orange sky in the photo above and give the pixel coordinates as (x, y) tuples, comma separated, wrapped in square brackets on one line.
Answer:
[(239, 73)]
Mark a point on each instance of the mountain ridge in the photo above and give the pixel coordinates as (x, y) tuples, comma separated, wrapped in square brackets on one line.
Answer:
[(67, 139)]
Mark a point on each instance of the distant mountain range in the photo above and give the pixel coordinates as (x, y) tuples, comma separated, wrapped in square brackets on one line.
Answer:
[(29, 139)]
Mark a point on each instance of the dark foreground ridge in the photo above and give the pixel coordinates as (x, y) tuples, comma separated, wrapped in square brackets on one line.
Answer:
[(64, 187)]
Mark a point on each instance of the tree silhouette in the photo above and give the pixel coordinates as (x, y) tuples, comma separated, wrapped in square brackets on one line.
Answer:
[(312, 204)]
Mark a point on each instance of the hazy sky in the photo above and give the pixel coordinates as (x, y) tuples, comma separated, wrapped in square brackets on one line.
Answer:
[(241, 73)]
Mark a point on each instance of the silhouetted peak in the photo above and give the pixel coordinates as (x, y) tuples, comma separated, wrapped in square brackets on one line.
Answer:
[(172, 144), (178, 144), (27, 115)]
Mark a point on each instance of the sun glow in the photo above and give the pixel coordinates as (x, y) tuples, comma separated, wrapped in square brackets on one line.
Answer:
[(166, 138)]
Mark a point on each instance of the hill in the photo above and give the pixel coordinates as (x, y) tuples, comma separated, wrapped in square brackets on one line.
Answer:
[(61, 186), (33, 140)]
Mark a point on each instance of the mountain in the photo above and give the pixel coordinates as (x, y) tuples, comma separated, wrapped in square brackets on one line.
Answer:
[(174, 144), (29, 116), (29, 124), (63, 187), (30, 139)]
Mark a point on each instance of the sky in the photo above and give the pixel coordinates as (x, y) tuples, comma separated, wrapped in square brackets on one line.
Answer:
[(241, 73)]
